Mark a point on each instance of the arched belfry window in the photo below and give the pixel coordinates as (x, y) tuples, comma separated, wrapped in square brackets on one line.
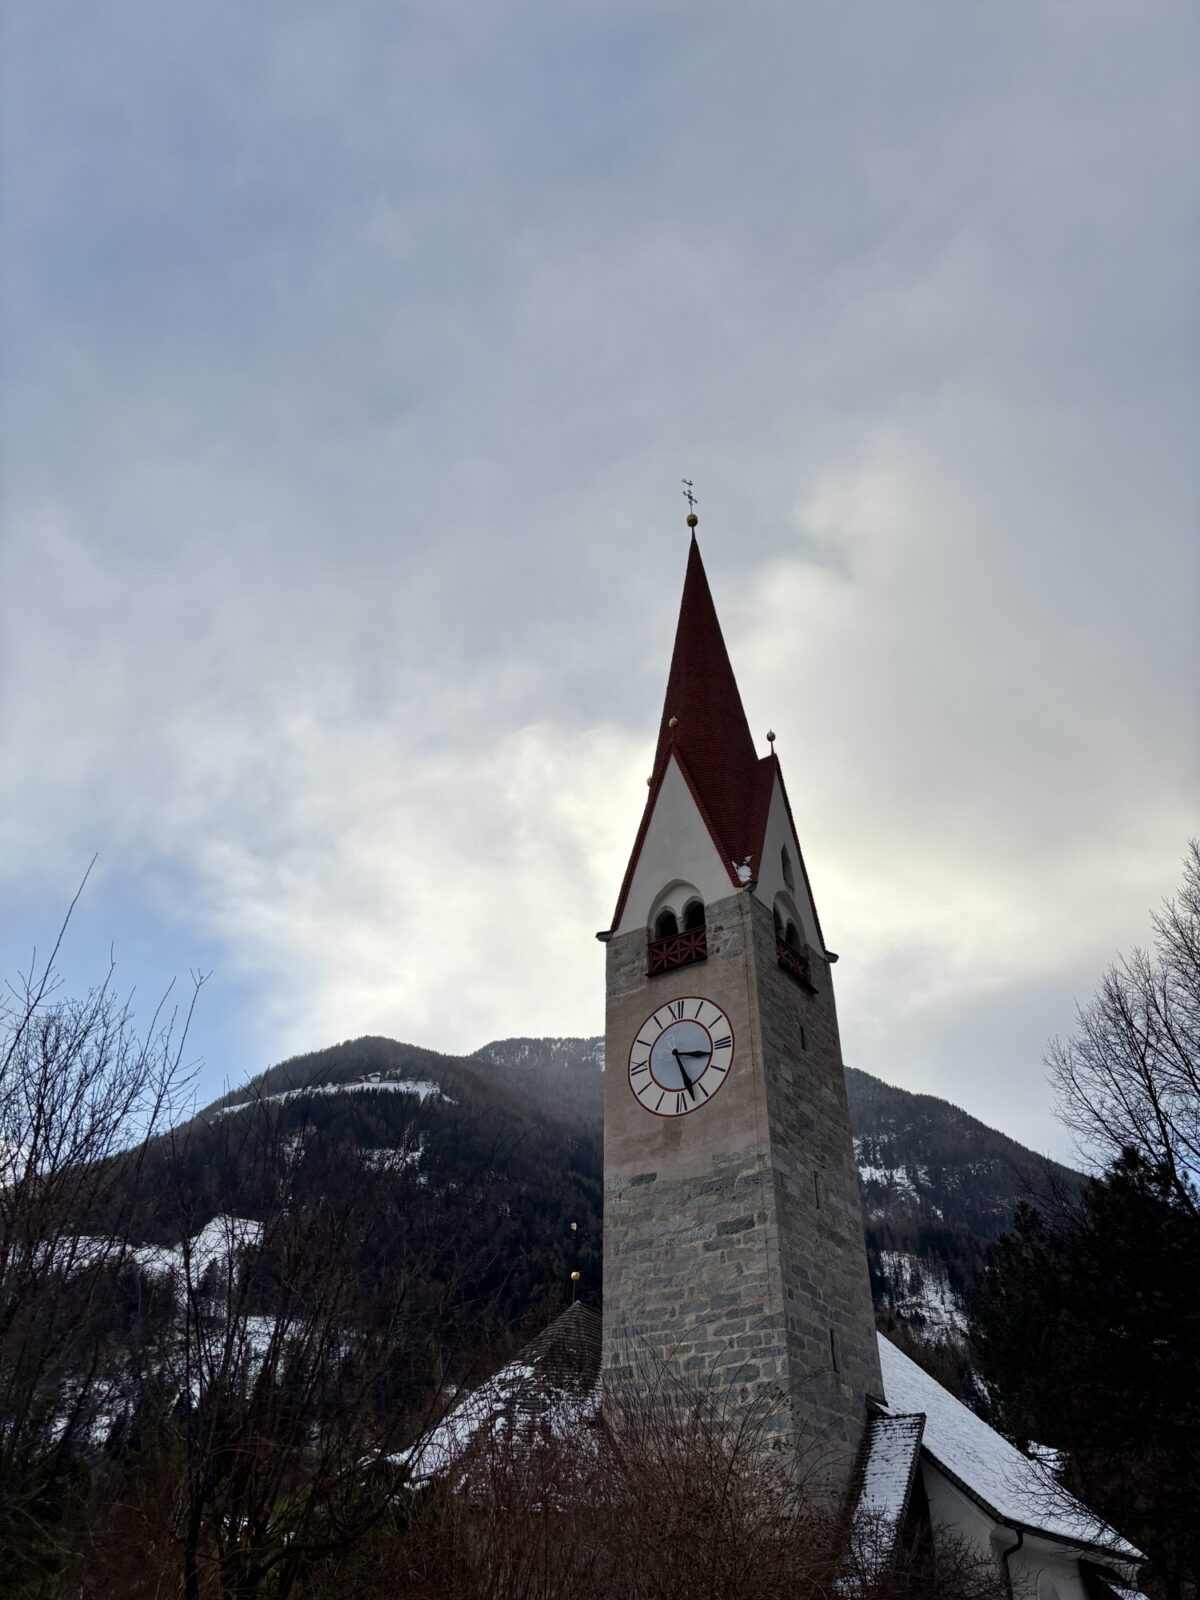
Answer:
[(785, 862), (678, 934), (791, 945)]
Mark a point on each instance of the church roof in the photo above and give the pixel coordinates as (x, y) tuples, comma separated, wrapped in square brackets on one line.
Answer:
[(888, 1468), (704, 728), (551, 1389), (711, 732), (1017, 1492)]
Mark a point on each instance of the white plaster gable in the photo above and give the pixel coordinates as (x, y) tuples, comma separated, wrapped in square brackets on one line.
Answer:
[(771, 883), (677, 849), (1033, 1563)]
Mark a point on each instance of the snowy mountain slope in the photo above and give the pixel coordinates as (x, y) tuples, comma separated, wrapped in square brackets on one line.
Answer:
[(565, 1075), (919, 1157), (925, 1158), (525, 1115), (938, 1185)]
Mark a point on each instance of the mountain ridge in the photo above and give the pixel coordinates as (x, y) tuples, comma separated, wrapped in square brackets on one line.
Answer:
[(938, 1184)]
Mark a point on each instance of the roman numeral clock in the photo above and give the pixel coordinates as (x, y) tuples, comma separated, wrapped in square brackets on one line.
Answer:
[(681, 1057)]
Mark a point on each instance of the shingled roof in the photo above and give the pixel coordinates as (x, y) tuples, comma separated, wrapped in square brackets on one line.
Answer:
[(1016, 1491), (710, 739), (887, 1469), (550, 1390)]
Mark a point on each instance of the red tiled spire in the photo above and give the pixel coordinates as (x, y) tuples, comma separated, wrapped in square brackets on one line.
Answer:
[(711, 732), (710, 739)]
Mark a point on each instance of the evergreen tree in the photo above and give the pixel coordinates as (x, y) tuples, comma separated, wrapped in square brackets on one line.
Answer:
[(1088, 1332)]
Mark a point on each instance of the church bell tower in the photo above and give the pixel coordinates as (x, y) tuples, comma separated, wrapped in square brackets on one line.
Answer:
[(733, 1240)]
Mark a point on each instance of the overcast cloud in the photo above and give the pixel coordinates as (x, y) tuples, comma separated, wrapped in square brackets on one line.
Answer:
[(353, 356)]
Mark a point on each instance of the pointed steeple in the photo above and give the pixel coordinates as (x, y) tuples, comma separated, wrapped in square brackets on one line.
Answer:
[(704, 730), (703, 716)]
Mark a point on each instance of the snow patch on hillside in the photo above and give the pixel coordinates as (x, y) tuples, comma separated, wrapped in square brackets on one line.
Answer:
[(922, 1295), (903, 1182), (220, 1240), (420, 1087), (394, 1158)]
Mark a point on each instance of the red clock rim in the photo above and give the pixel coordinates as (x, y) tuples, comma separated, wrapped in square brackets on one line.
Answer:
[(671, 1116)]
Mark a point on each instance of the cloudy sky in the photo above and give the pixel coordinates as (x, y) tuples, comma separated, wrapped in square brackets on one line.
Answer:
[(353, 356)]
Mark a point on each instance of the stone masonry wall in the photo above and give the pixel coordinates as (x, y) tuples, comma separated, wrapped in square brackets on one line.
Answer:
[(689, 1204), (719, 1266), (832, 1348)]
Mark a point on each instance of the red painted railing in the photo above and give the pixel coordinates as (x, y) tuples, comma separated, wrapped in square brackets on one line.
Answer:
[(679, 950), (795, 964)]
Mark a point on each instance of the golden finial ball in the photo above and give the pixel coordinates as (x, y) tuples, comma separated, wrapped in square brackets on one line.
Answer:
[(649, 781), (672, 722), (770, 735), (575, 1277), (692, 519), (574, 1226)]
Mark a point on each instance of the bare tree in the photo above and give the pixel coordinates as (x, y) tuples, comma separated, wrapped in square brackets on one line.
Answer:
[(668, 1501), (81, 1097), (1129, 1078), (314, 1296)]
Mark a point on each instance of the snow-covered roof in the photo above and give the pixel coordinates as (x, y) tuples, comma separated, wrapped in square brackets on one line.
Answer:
[(1015, 1490), (889, 1464), (550, 1390)]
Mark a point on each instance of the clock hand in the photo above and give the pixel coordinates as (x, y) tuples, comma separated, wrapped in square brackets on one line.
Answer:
[(687, 1082), (704, 1053)]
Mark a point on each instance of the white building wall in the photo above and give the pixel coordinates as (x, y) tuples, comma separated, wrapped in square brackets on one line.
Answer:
[(1045, 1571), (771, 882), (1040, 1569), (678, 857)]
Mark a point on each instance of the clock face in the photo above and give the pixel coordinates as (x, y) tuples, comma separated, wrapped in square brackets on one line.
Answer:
[(681, 1056)]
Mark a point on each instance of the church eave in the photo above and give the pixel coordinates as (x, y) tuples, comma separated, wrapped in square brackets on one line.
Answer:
[(1121, 1550)]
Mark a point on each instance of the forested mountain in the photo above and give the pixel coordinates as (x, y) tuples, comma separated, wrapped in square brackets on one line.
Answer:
[(564, 1076), (500, 1152), (922, 1158), (939, 1186), (480, 1161), (318, 1260)]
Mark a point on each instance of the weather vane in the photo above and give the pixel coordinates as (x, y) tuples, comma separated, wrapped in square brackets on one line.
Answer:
[(692, 518)]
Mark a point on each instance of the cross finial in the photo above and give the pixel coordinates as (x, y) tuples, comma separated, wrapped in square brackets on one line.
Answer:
[(692, 518)]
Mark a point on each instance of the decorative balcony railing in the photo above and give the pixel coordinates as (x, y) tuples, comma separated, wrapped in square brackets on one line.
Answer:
[(678, 950), (795, 964)]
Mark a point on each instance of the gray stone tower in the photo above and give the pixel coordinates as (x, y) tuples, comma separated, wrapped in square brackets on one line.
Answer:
[(733, 1243)]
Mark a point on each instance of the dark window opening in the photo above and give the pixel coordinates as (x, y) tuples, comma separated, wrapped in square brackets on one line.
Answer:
[(833, 1350), (792, 951), (671, 946), (817, 1189), (785, 862)]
